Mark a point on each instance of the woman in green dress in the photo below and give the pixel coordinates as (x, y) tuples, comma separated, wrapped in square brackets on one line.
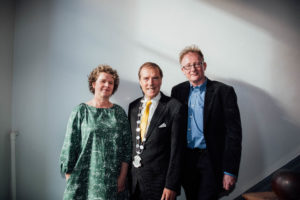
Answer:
[(97, 146)]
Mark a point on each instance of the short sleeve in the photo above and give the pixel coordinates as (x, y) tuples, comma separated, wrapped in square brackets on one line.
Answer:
[(72, 143)]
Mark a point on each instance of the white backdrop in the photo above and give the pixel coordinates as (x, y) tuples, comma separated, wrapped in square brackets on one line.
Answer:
[(251, 45)]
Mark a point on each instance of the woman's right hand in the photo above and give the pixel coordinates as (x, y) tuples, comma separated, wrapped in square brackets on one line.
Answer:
[(67, 176)]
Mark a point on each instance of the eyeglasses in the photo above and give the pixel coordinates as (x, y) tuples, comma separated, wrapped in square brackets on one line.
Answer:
[(188, 67)]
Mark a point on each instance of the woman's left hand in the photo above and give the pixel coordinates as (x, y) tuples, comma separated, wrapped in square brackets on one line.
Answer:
[(121, 184), (122, 177)]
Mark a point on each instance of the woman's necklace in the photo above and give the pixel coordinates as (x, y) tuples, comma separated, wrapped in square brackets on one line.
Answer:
[(139, 143)]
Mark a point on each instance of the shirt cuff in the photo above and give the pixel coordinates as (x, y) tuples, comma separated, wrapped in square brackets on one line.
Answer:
[(230, 174)]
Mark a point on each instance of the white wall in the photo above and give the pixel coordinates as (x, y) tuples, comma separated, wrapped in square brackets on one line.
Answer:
[(248, 44), (6, 57)]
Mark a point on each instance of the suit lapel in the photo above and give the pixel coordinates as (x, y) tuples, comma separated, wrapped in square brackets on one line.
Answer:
[(134, 113), (208, 101), (158, 114), (185, 92)]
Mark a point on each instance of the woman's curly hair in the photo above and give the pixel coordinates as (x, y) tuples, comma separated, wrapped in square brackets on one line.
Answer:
[(106, 69)]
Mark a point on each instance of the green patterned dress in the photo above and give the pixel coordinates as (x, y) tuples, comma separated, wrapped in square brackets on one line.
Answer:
[(97, 141)]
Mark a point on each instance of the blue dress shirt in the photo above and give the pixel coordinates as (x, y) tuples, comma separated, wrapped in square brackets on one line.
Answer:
[(195, 137)]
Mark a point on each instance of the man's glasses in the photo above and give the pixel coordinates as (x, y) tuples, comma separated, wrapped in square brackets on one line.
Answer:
[(188, 67)]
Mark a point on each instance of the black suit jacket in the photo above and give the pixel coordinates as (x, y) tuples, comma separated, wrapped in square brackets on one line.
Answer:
[(162, 155), (222, 125)]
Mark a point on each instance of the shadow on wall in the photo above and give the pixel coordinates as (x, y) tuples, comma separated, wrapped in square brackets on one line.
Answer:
[(281, 18), (268, 136), (127, 92)]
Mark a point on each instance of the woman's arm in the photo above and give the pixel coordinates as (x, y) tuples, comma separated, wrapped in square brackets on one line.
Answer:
[(122, 176), (72, 143)]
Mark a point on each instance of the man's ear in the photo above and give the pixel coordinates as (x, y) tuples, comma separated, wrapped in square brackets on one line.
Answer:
[(204, 66)]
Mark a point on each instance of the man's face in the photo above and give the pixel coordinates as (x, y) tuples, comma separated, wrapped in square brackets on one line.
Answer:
[(150, 81), (193, 68)]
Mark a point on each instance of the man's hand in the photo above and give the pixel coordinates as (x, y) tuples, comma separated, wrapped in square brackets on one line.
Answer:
[(168, 194), (228, 182)]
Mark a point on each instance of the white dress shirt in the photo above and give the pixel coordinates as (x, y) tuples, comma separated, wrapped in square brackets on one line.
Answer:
[(153, 107)]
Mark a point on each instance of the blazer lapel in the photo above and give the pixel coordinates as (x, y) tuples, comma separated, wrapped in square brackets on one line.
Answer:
[(158, 114), (208, 101), (185, 92), (134, 113)]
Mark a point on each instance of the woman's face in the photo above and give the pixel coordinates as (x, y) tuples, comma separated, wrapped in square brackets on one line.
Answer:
[(104, 85)]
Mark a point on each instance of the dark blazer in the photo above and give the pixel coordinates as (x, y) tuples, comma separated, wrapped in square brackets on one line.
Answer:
[(162, 155), (222, 125)]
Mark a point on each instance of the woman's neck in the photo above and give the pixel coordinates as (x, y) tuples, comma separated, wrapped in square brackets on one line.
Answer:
[(100, 103)]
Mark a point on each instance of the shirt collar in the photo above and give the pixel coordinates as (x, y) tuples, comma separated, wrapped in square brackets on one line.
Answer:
[(155, 100), (201, 87)]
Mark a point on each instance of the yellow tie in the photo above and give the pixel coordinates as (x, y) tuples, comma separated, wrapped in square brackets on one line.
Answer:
[(144, 120)]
